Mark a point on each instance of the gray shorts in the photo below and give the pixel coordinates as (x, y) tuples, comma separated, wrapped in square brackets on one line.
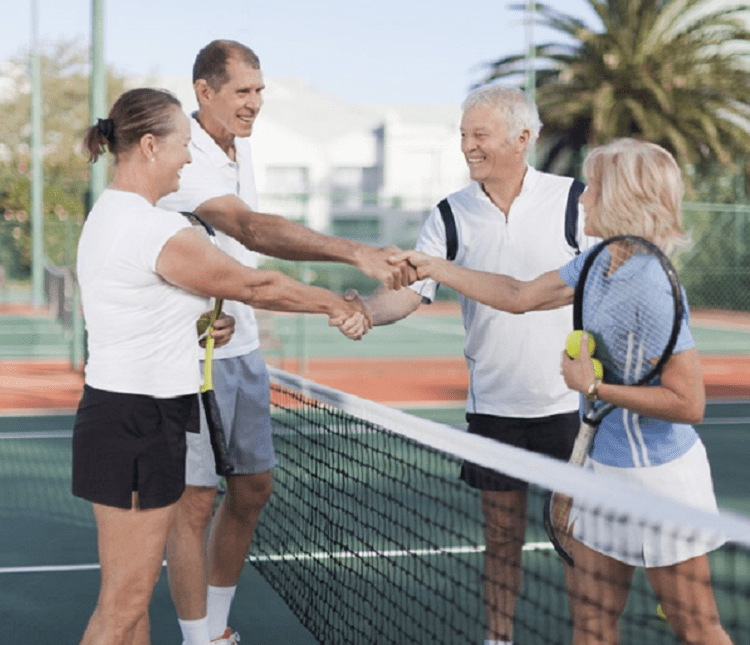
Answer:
[(243, 394)]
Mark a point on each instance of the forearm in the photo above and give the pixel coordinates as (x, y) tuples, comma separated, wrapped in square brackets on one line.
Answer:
[(655, 401), (501, 292), (276, 236), (277, 292), (680, 396), (387, 307)]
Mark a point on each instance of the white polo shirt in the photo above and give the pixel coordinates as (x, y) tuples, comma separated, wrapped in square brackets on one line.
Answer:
[(513, 360), (210, 174), (141, 329)]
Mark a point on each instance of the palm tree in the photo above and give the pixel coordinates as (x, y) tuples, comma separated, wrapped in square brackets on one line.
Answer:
[(675, 72)]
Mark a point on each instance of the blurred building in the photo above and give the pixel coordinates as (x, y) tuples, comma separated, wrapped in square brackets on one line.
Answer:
[(366, 172)]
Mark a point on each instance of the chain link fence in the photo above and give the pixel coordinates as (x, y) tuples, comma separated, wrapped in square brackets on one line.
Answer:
[(715, 270)]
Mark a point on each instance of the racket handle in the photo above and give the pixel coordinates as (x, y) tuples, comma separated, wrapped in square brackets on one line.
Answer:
[(582, 443), (216, 434)]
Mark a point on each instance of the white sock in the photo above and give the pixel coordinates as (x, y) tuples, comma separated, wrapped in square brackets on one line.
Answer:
[(219, 603), (498, 642), (195, 632)]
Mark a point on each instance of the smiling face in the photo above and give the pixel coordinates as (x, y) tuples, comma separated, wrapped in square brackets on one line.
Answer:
[(171, 153), (230, 110), (489, 153)]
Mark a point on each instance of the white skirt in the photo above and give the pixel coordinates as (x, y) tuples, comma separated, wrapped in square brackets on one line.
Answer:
[(643, 543)]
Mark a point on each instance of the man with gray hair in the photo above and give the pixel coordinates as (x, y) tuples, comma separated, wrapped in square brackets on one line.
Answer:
[(510, 219)]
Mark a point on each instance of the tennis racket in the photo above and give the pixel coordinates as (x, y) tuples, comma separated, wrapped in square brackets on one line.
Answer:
[(629, 298), (208, 396)]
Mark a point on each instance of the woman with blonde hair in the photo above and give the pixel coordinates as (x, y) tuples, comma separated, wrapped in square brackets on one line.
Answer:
[(634, 188)]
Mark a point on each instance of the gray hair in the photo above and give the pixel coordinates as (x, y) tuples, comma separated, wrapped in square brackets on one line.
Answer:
[(516, 108)]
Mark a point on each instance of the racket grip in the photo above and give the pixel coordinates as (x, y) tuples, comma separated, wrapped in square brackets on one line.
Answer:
[(582, 443), (216, 434)]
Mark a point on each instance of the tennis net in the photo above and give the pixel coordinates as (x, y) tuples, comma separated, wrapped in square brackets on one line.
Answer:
[(371, 537)]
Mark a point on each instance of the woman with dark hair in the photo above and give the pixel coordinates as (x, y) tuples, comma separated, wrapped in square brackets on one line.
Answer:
[(144, 274)]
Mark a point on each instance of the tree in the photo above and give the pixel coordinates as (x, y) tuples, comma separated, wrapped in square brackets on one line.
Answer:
[(674, 72), (65, 107)]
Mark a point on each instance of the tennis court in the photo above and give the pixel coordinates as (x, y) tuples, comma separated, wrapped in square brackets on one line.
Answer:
[(49, 577), (48, 572)]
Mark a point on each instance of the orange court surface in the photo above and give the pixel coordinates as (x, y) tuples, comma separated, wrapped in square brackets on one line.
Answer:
[(27, 386)]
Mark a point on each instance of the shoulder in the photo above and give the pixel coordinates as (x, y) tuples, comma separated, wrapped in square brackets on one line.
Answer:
[(547, 183)]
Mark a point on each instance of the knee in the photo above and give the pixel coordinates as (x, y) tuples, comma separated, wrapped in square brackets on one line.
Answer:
[(592, 624), (118, 615), (247, 495), (693, 628), (503, 534), (195, 508)]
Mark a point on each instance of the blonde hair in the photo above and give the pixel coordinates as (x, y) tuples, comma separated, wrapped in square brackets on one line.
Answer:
[(640, 192)]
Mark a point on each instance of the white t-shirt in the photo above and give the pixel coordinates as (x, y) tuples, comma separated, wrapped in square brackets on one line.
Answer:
[(142, 337), (212, 174), (513, 360)]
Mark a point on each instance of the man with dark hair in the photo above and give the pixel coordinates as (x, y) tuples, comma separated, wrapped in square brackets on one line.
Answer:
[(219, 185)]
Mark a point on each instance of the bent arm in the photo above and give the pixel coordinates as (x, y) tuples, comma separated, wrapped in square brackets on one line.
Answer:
[(680, 397), (189, 261), (278, 237), (547, 291)]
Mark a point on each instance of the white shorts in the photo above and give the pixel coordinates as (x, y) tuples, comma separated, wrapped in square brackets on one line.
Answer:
[(686, 479), (242, 391)]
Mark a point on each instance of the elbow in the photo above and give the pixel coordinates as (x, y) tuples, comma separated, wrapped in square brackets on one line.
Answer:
[(247, 233), (696, 414), (692, 411)]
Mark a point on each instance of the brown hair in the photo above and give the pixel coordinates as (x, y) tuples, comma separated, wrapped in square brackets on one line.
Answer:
[(136, 113), (211, 61)]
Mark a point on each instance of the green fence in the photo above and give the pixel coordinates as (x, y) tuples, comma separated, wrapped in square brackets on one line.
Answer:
[(715, 270)]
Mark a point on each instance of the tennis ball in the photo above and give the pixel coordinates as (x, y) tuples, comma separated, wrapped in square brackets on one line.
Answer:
[(598, 368), (573, 344), (660, 613)]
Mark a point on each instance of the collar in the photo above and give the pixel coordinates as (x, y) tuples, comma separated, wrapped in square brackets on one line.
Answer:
[(530, 180), (205, 143)]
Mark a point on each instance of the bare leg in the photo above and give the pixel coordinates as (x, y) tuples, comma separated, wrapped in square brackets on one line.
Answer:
[(186, 551), (131, 552), (234, 526), (685, 593), (598, 588), (504, 534)]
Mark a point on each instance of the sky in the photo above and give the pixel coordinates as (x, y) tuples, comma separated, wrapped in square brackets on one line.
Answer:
[(361, 51)]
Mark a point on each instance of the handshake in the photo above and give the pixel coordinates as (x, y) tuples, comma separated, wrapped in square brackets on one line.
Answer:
[(391, 266)]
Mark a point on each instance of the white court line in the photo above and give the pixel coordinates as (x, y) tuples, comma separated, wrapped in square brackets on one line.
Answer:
[(342, 555), (42, 434)]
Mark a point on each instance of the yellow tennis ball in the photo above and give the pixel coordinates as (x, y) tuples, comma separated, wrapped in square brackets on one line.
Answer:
[(598, 368), (573, 344), (660, 613)]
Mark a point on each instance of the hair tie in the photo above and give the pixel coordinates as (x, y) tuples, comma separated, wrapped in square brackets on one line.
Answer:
[(106, 128)]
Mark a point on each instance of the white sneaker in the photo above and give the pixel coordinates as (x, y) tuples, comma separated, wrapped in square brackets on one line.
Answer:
[(227, 638)]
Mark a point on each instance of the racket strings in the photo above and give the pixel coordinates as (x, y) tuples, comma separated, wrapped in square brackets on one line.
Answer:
[(629, 311)]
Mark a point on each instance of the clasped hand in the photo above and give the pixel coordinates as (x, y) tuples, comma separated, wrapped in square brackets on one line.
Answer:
[(222, 332)]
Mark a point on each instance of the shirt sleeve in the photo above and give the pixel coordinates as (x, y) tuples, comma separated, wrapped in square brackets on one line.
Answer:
[(159, 229), (571, 272), (685, 338), (432, 242)]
